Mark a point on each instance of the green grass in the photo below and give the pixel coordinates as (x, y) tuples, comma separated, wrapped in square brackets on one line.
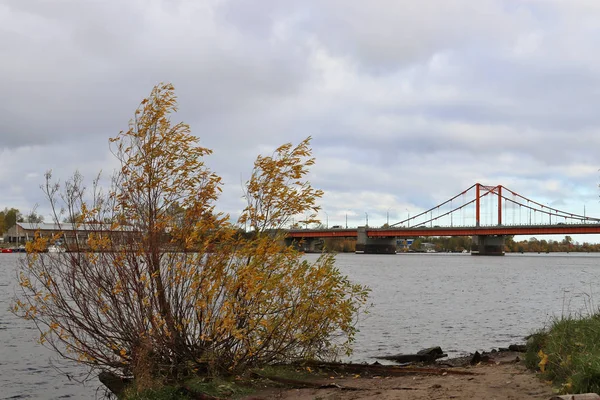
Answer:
[(229, 388), (215, 387), (571, 349), (164, 393)]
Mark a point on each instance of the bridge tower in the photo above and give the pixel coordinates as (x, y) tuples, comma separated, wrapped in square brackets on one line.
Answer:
[(487, 245)]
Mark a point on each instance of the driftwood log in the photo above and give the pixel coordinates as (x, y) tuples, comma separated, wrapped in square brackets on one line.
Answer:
[(363, 369), (113, 382), (297, 383), (428, 355), (385, 370)]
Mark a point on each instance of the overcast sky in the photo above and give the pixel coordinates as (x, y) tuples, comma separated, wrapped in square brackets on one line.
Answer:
[(408, 102)]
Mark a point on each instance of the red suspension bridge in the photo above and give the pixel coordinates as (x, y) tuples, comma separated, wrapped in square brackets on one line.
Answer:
[(488, 213)]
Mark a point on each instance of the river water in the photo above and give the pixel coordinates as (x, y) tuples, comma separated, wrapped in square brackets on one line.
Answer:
[(459, 302)]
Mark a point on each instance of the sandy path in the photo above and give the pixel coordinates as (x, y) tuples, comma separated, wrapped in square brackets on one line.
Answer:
[(492, 381)]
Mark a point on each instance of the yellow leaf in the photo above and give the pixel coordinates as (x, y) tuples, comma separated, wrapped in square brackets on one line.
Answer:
[(543, 360)]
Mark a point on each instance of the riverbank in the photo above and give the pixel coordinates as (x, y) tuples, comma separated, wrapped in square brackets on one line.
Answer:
[(564, 358), (497, 375), (500, 381)]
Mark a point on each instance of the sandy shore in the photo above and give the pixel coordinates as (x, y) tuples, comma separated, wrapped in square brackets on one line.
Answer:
[(500, 378)]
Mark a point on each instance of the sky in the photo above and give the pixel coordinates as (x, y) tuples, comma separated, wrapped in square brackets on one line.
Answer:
[(407, 103)]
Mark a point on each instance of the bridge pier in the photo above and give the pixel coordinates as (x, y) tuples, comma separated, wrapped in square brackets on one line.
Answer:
[(379, 245), (487, 245)]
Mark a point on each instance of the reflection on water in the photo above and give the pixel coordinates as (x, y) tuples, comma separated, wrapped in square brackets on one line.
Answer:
[(459, 302)]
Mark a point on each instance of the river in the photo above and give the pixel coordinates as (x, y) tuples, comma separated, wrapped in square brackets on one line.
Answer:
[(459, 302)]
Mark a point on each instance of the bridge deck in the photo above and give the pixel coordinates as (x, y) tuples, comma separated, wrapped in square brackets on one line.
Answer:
[(558, 229)]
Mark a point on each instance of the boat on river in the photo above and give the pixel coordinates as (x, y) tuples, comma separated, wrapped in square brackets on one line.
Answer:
[(56, 249)]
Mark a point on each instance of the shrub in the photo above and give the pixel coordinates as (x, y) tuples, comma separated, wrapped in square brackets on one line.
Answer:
[(162, 286)]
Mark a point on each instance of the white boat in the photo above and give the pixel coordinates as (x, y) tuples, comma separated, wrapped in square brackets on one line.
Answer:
[(56, 249)]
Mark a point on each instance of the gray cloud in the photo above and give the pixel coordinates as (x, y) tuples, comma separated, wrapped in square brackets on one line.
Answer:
[(408, 103)]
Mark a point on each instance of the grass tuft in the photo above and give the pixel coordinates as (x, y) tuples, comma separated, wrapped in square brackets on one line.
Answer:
[(568, 354), (163, 393)]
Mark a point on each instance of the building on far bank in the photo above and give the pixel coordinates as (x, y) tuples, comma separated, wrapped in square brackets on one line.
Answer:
[(69, 233), (24, 232), (404, 244)]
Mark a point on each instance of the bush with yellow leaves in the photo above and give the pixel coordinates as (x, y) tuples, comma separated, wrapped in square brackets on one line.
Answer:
[(158, 284)]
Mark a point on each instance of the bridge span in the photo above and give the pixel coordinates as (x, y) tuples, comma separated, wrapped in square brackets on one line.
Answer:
[(488, 239), (559, 229)]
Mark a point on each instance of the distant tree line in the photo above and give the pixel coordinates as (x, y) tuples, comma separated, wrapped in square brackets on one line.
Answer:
[(443, 243), (534, 245), (457, 244), (339, 245), (531, 245)]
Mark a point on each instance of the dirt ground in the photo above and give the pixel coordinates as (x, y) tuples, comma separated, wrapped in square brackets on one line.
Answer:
[(500, 378)]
